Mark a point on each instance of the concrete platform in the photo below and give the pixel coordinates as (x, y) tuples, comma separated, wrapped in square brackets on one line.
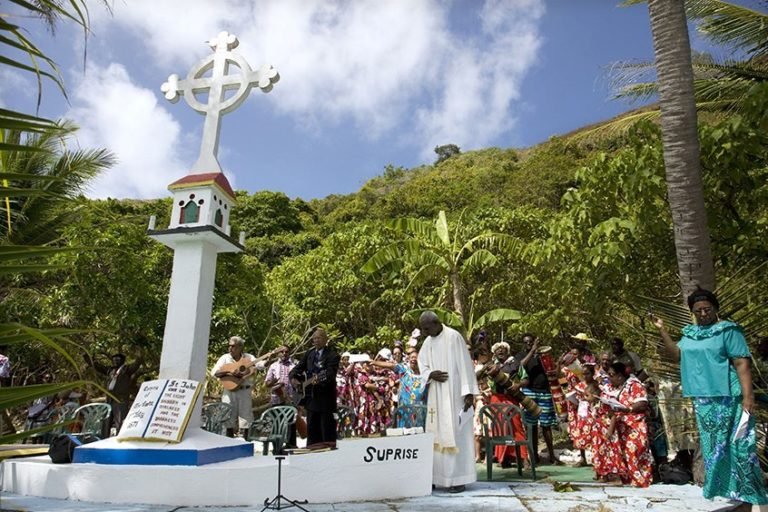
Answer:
[(482, 496), (359, 470), (197, 449)]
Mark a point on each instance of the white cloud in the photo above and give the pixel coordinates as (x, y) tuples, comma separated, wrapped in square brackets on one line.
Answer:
[(16, 87), (483, 80), (113, 112), (386, 67)]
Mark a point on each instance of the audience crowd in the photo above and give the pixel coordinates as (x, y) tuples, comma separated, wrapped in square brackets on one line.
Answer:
[(603, 402)]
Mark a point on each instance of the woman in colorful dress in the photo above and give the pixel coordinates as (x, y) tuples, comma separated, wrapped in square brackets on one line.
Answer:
[(715, 372), (362, 391), (629, 423), (581, 421), (573, 361), (606, 449), (411, 386)]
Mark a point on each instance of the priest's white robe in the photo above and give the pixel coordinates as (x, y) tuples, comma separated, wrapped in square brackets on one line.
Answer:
[(454, 459)]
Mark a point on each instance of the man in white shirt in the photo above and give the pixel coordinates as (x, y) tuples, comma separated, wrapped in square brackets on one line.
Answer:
[(446, 364), (241, 382)]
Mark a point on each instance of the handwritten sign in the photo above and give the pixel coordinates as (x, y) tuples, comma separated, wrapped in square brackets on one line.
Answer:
[(161, 411)]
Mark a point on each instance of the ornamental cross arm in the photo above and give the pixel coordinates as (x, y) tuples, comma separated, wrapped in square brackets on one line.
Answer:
[(217, 85)]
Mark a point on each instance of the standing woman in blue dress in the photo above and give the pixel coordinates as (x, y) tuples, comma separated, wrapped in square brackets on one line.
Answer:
[(715, 373)]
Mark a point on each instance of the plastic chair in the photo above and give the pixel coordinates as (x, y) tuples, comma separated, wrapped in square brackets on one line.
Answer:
[(413, 415), (217, 417), (61, 414), (64, 415), (94, 418), (345, 421), (498, 429), (279, 418)]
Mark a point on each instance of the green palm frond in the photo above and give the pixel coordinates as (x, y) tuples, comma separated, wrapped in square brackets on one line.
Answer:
[(23, 252), (22, 395), (11, 120), (614, 127), (733, 25), (14, 259), (727, 81), (13, 333), (43, 176)]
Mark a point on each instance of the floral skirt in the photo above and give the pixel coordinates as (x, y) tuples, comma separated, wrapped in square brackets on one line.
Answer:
[(732, 469)]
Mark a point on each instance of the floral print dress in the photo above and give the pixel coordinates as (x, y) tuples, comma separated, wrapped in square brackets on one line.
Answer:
[(606, 450), (632, 430), (373, 408), (580, 421), (411, 393)]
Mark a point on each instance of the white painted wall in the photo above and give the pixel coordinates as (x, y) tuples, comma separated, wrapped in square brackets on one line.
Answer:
[(346, 474)]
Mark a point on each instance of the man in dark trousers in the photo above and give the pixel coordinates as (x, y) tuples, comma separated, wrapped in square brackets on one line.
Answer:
[(121, 382), (536, 387), (318, 370)]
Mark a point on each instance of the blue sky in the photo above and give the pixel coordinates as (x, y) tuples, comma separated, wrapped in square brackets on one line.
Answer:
[(363, 84)]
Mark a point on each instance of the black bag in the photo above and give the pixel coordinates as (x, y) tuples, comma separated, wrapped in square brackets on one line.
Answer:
[(670, 474), (62, 448)]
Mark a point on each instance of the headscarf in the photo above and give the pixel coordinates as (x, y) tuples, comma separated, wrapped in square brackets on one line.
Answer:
[(701, 294)]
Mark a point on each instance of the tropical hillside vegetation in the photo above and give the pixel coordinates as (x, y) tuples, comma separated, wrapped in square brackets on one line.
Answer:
[(573, 235)]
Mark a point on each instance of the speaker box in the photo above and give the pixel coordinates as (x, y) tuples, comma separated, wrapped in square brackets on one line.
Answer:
[(62, 448)]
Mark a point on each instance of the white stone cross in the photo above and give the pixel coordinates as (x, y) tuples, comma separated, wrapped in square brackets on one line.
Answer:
[(217, 85)]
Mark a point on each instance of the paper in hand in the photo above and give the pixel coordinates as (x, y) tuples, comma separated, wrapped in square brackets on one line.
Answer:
[(613, 403), (743, 427), (359, 358)]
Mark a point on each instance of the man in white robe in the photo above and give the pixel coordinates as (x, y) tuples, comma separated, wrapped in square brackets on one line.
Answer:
[(445, 363)]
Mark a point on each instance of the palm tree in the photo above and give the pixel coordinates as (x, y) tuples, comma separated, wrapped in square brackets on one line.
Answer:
[(52, 175), (718, 83), (681, 144), (435, 252), (19, 188)]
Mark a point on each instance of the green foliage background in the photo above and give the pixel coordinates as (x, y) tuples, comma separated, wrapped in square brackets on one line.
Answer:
[(592, 224)]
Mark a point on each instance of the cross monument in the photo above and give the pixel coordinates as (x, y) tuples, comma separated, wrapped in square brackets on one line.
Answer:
[(217, 85), (198, 231)]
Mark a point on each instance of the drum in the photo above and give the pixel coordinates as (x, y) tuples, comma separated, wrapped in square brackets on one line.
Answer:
[(547, 361)]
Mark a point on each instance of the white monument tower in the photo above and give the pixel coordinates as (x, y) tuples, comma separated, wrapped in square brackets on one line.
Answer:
[(184, 474), (198, 231)]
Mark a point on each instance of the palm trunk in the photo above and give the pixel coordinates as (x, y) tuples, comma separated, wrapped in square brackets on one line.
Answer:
[(681, 144)]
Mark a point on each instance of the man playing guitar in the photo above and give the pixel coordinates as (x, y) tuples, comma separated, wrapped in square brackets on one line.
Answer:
[(236, 369), (316, 374)]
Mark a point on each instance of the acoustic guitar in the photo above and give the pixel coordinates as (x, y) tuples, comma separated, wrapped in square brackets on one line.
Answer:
[(239, 371), (302, 393)]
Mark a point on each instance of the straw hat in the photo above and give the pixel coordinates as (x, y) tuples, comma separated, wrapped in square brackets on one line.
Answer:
[(582, 337)]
